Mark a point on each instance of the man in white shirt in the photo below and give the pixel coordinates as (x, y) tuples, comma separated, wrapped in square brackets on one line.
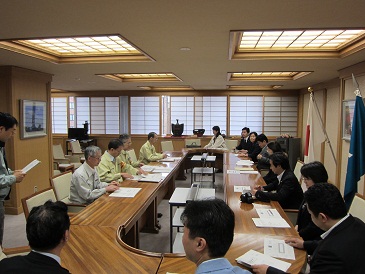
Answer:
[(85, 183)]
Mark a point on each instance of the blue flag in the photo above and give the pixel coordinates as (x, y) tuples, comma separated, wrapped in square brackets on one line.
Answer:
[(356, 161)]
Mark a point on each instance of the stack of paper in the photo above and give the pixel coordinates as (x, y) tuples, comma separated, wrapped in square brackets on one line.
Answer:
[(148, 168), (242, 189), (160, 169), (253, 257), (269, 218), (155, 178), (244, 163), (125, 192)]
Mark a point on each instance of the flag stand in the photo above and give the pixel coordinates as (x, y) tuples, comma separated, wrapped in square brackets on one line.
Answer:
[(322, 125)]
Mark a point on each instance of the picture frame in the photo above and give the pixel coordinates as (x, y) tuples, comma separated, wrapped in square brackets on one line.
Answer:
[(33, 119), (348, 107)]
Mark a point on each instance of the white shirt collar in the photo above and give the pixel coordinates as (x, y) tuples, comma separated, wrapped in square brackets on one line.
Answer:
[(89, 169), (324, 235), (53, 256), (280, 175), (110, 156)]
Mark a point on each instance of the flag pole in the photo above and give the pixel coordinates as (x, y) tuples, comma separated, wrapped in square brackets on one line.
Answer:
[(310, 89)]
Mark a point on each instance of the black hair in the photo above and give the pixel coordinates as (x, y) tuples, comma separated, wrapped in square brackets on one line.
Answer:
[(261, 137), (254, 133), (216, 128), (46, 225), (7, 120), (247, 129), (325, 198), (212, 220), (280, 158), (114, 143), (315, 171), (151, 135), (274, 146)]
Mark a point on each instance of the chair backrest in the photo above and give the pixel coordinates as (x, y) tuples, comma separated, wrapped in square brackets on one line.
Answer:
[(231, 144), (297, 174), (190, 142), (357, 207), (61, 184), (167, 146), (75, 147), (37, 199), (58, 152), (132, 155)]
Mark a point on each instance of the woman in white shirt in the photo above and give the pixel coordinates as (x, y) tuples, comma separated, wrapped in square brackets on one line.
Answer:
[(217, 140)]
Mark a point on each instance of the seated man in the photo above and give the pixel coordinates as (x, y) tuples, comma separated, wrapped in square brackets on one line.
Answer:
[(341, 249), (148, 152), (111, 168), (85, 183), (245, 144), (130, 166), (288, 190), (48, 230), (208, 234), (263, 161)]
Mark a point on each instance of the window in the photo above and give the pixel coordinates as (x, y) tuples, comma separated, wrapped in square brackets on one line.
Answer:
[(59, 114), (245, 111), (211, 111), (182, 108), (280, 115), (145, 114)]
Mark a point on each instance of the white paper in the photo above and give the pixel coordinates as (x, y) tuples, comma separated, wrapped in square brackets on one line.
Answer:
[(147, 168), (244, 163), (30, 165), (199, 158), (253, 257), (125, 192), (278, 248), (268, 213), (241, 188), (230, 171), (249, 172), (270, 222), (160, 169), (155, 177), (168, 159)]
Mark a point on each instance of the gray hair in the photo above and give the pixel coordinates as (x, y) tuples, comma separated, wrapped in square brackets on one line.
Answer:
[(124, 137), (91, 151)]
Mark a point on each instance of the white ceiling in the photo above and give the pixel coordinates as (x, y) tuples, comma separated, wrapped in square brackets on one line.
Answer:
[(161, 27)]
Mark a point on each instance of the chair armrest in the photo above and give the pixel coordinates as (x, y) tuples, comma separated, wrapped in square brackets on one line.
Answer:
[(62, 161), (291, 210)]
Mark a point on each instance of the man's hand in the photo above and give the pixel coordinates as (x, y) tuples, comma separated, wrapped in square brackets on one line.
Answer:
[(259, 156), (141, 164), (141, 171), (111, 188), (126, 176), (260, 268), (295, 242), (164, 155), (19, 175)]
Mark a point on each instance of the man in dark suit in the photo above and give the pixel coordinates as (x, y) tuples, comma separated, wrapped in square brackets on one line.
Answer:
[(288, 190), (245, 143), (341, 249), (47, 229)]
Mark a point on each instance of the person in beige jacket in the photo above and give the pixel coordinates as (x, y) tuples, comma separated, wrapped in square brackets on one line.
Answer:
[(130, 166), (148, 152), (111, 168)]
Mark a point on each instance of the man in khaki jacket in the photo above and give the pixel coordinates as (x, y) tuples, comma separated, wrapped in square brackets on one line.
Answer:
[(130, 166), (148, 152)]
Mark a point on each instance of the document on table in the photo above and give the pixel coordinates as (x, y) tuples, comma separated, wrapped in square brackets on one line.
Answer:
[(30, 165), (249, 172), (243, 168), (268, 213), (125, 192), (169, 159), (230, 171), (160, 169), (270, 222), (148, 168), (278, 248), (155, 178), (253, 257), (241, 188), (244, 163)]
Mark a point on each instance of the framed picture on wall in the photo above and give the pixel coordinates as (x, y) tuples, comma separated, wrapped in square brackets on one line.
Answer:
[(33, 119), (347, 115)]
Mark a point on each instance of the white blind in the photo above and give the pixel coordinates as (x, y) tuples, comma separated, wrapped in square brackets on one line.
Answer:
[(211, 111), (280, 115), (145, 114), (59, 114), (182, 108), (102, 113), (245, 111)]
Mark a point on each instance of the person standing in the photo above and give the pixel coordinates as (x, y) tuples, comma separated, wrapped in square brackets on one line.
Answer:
[(8, 125)]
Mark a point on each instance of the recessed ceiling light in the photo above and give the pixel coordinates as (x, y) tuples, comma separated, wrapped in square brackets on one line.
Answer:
[(185, 49)]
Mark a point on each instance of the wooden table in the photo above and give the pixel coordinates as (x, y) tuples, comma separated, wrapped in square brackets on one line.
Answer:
[(104, 237)]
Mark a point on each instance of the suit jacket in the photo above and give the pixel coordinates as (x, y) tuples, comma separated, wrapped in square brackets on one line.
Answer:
[(254, 151), (342, 251), (306, 228), (219, 266), (264, 162), (288, 191), (246, 145), (33, 263)]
